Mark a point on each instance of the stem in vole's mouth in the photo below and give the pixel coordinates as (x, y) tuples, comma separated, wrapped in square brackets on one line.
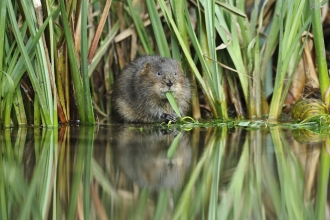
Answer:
[(172, 101)]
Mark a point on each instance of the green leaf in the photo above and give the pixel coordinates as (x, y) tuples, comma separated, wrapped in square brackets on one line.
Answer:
[(157, 27), (172, 101), (141, 30), (231, 9), (40, 93), (9, 99), (173, 147)]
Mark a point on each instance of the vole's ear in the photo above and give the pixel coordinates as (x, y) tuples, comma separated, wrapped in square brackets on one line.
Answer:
[(146, 69)]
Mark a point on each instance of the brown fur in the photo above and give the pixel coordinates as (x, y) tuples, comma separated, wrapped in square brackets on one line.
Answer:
[(139, 91)]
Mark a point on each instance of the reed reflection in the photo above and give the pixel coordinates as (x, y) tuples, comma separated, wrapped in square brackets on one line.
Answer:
[(230, 174)]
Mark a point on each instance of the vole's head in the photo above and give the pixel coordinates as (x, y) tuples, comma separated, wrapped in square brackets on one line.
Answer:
[(165, 75)]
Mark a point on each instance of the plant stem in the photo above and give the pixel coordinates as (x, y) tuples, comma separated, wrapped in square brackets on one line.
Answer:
[(144, 38), (98, 33), (321, 195), (3, 14), (84, 65), (179, 7), (319, 49), (19, 107), (157, 27), (73, 64), (172, 24), (45, 108)]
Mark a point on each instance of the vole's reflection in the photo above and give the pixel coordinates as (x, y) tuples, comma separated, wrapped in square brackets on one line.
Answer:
[(142, 156)]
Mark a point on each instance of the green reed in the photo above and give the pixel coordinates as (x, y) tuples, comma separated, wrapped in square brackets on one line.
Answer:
[(158, 30), (81, 86), (39, 79), (290, 49), (30, 48), (323, 182), (249, 57), (320, 49), (140, 28), (225, 53)]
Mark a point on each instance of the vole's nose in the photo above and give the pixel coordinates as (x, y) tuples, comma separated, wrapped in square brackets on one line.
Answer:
[(169, 83)]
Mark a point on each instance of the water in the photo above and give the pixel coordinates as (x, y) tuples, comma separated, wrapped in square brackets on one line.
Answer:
[(146, 172)]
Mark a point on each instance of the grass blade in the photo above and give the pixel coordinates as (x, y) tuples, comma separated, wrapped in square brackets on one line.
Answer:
[(3, 18), (140, 28), (172, 101), (19, 107), (231, 8), (320, 49), (9, 99), (185, 50), (89, 132), (103, 49), (46, 111), (84, 66), (73, 64), (178, 7), (323, 181), (161, 204), (157, 27), (173, 147), (98, 33)]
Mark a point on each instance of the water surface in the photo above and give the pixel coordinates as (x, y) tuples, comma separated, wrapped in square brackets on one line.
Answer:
[(148, 172)]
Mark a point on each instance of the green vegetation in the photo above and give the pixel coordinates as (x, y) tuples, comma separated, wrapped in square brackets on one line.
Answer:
[(320, 50), (172, 101), (59, 58), (260, 174)]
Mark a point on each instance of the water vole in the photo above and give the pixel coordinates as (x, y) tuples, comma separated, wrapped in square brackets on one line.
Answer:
[(139, 91)]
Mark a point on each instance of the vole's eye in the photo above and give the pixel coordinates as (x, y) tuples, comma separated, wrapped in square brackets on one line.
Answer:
[(175, 73), (159, 73)]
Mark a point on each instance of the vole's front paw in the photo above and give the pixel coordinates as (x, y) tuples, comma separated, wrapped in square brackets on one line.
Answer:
[(170, 117)]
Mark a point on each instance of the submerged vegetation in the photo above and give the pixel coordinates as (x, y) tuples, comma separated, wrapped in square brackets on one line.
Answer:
[(59, 58)]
